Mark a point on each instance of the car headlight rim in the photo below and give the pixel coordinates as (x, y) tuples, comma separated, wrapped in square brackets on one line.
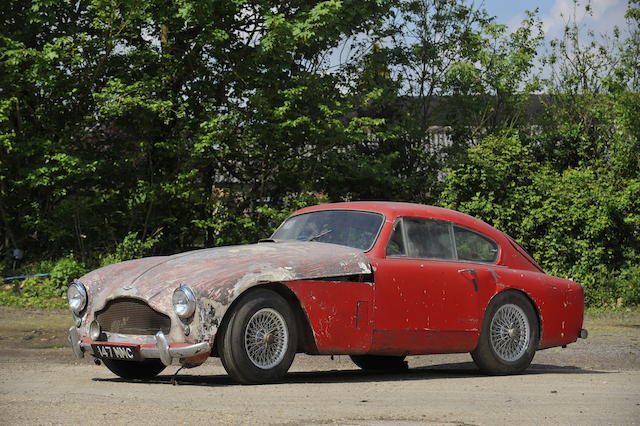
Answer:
[(184, 302), (77, 297)]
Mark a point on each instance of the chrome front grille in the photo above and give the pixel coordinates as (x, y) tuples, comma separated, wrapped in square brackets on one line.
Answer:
[(132, 316)]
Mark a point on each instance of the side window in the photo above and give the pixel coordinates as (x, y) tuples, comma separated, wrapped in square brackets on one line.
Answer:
[(395, 246), (475, 247), (428, 238)]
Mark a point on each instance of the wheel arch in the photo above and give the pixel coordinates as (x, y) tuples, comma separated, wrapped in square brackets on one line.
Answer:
[(306, 341), (536, 309)]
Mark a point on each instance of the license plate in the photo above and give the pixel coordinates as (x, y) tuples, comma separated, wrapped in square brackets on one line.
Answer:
[(126, 353)]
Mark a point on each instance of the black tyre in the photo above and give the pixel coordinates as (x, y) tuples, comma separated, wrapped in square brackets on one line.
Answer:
[(509, 336), (259, 340), (379, 362), (146, 369)]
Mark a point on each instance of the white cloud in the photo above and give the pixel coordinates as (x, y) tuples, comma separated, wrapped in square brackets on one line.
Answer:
[(605, 14)]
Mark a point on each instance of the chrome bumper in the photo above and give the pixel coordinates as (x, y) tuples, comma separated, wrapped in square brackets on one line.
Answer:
[(161, 349)]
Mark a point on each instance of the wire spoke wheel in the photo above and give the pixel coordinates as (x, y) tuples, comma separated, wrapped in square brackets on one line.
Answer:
[(510, 335), (258, 338), (510, 332), (266, 338)]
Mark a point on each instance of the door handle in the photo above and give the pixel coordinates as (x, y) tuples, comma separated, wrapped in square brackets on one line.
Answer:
[(471, 274)]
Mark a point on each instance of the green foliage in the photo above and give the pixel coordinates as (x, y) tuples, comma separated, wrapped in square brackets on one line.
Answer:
[(42, 292), (568, 191), (577, 223), (131, 247), (64, 272), (626, 287), (34, 292), (135, 128), (36, 296)]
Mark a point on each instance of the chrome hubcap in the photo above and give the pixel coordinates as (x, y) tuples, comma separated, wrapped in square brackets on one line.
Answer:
[(510, 332), (266, 338)]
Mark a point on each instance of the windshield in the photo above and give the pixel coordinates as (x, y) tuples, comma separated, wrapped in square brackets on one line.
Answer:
[(350, 228)]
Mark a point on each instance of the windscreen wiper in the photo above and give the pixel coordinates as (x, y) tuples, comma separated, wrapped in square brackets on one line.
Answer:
[(321, 234)]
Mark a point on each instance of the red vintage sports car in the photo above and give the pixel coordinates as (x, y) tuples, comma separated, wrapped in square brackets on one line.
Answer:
[(375, 280)]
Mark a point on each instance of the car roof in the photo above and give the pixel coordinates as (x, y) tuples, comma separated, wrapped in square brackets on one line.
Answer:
[(392, 209)]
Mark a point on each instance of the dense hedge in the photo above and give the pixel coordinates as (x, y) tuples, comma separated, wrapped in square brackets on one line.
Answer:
[(580, 223)]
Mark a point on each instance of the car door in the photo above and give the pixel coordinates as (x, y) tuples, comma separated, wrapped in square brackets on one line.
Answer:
[(425, 298)]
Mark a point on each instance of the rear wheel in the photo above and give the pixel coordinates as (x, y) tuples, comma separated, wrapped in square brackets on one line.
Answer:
[(379, 362), (259, 341), (509, 335), (146, 369)]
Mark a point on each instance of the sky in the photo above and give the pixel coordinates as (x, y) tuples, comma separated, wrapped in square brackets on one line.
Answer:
[(606, 14)]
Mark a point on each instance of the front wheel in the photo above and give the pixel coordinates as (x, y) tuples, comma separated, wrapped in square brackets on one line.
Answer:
[(509, 335), (259, 341), (146, 369)]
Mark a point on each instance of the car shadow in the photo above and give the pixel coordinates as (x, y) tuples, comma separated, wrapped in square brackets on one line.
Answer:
[(441, 371)]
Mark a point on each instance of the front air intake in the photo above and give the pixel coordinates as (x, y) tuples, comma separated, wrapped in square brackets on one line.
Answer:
[(132, 316)]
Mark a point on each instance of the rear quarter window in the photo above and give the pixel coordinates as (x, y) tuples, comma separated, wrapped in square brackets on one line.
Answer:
[(474, 247)]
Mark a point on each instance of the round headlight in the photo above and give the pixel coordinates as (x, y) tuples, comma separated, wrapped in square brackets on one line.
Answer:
[(184, 302), (77, 297)]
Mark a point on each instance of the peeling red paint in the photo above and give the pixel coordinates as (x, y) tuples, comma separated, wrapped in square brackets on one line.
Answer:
[(333, 318)]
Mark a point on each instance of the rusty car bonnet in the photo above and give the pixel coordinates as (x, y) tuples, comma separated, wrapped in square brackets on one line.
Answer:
[(222, 273)]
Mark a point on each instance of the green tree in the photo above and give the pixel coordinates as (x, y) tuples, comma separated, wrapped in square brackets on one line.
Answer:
[(122, 117), (567, 189)]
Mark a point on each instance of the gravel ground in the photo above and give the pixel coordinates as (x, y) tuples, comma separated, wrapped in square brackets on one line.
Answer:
[(594, 381)]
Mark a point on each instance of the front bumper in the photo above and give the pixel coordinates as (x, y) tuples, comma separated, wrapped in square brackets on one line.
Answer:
[(162, 349)]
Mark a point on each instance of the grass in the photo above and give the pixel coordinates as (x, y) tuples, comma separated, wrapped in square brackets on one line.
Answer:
[(613, 322)]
